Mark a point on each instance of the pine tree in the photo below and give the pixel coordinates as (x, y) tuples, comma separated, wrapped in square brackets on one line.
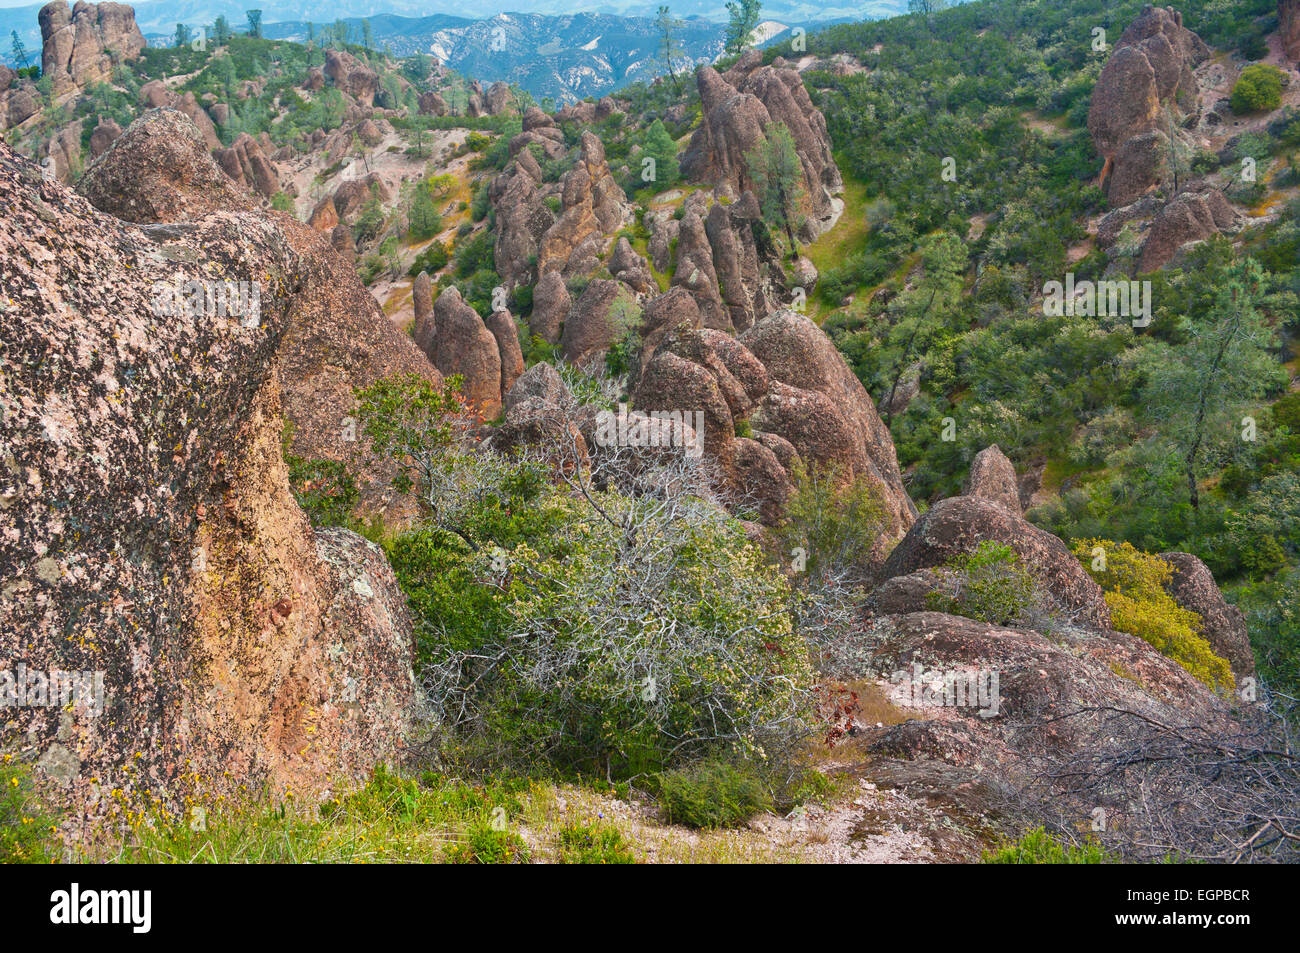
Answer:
[(669, 49), (254, 23), (743, 21), (777, 174)]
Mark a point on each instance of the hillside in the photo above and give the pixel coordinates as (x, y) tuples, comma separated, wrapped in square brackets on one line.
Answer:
[(881, 451)]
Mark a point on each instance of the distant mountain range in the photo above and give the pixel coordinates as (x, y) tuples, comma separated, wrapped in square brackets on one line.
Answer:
[(560, 49), (161, 16), (562, 57)]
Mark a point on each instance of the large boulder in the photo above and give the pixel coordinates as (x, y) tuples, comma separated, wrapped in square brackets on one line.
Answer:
[(797, 353), (225, 645), (503, 328), (1224, 626), (1149, 71), (79, 46), (338, 339), (1191, 217), (159, 170), (422, 331), (959, 524), (602, 313), (352, 76), (105, 133), (463, 345), (738, 109), (992, 477), (551, 304)]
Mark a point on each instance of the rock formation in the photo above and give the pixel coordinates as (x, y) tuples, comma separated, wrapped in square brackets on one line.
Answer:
[(787, 380), (463, 345), (146, 508), (352, 77), (1288, 27), (338, 339), (1148, 73), (79, 46), (738, 107), (246, 163)]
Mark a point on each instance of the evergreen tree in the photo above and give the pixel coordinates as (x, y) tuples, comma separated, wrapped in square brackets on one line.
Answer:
[(777, 174), (254, 23), (743, 16)]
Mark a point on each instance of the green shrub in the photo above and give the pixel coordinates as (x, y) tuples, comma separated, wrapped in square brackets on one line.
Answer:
[(1039, 847), (26, 829), (711, 794), (323, 488), (836, 522), (484, 844), (989, 584), (1259, 89), (1134, 585), (593, 844), (433, 259)]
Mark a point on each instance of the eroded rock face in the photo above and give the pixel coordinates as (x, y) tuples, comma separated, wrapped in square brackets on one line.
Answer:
[(959, 524), (147, 504), (603, 311), (738, 107), (76, 44), (338, 339), (352, 76), (1041, 682), (1191, 217), (1224, 627), (1288, 27), (551, 304), (1149, 72), (503, 328), (247, 164), (992, 477), (533, 240), (787, 380), (463, 345)]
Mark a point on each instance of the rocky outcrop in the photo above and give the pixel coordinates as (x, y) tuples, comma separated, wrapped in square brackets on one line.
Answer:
[(992, 477), (463, 345), (63, 153), (352, 76), (423, 330), (159, 170), (604, 311), (739, 107), (503, 328), (551, 304), (959, 524), (1192, 586), (247, 164), (79, 46), (1150, 71), (337, 340), (532, 240), (432, 104), (105, 133), (1288, 28), (1190, 217), (147, 508), (787, 380)]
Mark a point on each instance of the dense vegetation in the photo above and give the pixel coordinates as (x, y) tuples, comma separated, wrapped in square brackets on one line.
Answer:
[(945, 276)]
